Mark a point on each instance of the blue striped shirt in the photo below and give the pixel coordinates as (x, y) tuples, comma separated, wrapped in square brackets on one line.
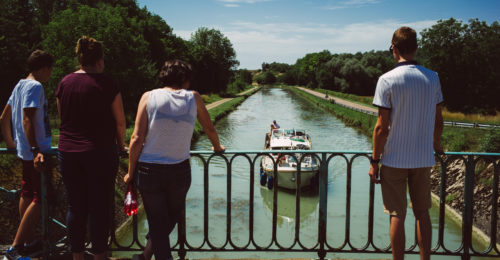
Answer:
[(411, 92)]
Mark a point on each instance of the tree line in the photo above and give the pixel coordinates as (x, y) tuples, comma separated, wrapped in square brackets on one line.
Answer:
[(466, 57), (136, 43)]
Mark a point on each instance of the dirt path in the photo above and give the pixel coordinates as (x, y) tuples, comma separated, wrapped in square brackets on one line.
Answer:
[(343, 102), (224, 100)]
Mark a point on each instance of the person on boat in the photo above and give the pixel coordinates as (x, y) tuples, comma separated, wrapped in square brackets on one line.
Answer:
[(274, 125), (91, 133), (160, 150), (406, 157), (25, 127)]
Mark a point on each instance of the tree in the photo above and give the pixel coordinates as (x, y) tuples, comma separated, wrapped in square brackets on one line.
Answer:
[(127, 56), (467, 58), (213, 59)]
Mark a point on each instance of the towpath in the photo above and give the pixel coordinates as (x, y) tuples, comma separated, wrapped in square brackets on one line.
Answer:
[(224, 100), (343, 102)]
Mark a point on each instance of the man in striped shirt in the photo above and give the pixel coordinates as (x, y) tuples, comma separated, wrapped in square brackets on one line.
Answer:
[(408, 129)]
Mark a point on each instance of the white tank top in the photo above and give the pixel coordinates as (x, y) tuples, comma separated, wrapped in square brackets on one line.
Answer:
[(171, 119)]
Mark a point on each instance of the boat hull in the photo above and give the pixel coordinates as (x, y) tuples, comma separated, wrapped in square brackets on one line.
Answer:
[(287, 178)]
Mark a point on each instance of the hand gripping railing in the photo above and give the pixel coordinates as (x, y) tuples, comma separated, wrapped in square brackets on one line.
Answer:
[(321, 246)]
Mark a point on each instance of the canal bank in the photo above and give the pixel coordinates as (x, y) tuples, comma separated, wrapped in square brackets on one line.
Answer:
[(360, 116)]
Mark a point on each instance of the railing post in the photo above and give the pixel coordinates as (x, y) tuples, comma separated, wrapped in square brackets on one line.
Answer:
[(468, 206), (323, 192), (45, 216)]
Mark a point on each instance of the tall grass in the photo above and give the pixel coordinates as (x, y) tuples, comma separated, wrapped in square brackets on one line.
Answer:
[(472, 118)]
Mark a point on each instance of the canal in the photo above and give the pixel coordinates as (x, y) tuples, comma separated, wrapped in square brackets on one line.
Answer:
[(244, 129)]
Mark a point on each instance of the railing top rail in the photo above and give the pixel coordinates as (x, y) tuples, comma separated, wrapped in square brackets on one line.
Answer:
[(54, 151)]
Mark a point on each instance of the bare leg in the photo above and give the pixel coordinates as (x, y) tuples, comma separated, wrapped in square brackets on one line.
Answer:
[(397, 234), (28, 223), (148, 250), (424, 233), (23, 205)]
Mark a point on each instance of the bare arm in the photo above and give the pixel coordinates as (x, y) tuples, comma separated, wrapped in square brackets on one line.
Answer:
[(29, 131), (6, 126), (138, 137), (380, 133), (119, 115), (438, 129), (206, 123)]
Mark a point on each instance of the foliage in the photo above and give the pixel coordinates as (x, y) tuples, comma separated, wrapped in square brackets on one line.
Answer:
[(266, 78), (467, 58), (213, 59), (136, 42), (276, 67), (490, 143)]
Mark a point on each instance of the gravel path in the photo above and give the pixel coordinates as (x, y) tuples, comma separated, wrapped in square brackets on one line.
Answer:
[(343, 102)]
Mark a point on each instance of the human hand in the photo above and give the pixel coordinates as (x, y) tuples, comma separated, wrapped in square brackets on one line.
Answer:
[(219, 149), (128, 178), (374, 173), (123, 153), (38, 161)]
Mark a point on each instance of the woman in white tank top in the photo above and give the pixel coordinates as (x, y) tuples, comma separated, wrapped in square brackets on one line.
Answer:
[(159, 150)]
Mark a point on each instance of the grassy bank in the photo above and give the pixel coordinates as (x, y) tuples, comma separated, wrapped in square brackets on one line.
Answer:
[(361, 121), (454, 139), (447, 115)]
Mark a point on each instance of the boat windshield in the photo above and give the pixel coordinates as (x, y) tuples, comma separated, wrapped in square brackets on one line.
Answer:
[(278, 132)]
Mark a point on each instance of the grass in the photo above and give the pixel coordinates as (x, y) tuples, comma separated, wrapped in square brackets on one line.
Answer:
[(361, 121), (351, 97), (471, 118)]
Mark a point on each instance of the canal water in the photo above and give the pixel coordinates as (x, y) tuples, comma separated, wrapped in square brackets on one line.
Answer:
[(244, 129)]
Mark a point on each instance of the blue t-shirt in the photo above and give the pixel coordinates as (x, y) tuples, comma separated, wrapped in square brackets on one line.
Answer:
[(29, 93)]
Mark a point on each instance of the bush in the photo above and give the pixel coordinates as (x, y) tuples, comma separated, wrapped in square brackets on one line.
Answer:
[(490, 143)]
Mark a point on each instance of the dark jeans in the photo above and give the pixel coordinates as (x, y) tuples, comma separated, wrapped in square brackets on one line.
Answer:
[(89, 179), (163, 189)]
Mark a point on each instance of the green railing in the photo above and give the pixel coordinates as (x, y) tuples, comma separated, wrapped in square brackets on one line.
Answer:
[(321, 246)]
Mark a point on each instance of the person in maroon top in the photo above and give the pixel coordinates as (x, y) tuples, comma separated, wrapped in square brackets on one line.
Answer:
[(91, 133)]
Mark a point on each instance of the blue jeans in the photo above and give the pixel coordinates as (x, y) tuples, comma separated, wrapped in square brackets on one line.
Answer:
[(89, 179), (163, 189)]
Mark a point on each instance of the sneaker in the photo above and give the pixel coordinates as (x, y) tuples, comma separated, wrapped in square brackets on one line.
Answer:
[(13, 254)]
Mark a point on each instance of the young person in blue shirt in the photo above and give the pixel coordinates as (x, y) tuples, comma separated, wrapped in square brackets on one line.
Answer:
[(25, 127)]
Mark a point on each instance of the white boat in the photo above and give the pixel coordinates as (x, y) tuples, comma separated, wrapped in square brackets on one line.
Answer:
[(287, 164)]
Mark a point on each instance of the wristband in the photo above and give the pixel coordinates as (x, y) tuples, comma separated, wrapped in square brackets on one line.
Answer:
[(374, 161)]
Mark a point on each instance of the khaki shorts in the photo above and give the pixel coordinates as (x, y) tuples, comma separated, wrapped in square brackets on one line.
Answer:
[(394, 181)]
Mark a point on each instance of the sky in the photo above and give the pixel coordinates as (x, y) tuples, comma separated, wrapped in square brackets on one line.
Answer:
[(286, 30)]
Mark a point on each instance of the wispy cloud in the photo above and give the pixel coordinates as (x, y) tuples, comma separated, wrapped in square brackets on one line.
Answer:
[(351, 4), (286, 42), (238, 3)]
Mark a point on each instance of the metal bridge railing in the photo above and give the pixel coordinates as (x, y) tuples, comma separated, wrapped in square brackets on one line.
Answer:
[(466, 250)]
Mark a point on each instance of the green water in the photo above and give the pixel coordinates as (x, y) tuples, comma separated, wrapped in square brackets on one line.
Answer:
[(244, 129)]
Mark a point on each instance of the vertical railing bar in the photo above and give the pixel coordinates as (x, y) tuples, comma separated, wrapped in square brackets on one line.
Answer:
[(468, 200), (323, 190), (45, 214), (228, 202), (494, 206), (251, 200), (297, 198), (371, 208), (205, 200), (348, 204), (442, 204), (275, 200)]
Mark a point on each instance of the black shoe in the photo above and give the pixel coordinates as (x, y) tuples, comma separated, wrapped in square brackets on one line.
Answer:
[(13, 254)]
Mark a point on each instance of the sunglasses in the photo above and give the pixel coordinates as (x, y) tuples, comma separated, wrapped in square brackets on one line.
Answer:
[(391, 49)]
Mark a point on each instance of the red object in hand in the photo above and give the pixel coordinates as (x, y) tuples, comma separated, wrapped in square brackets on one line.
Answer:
[(130, 203)]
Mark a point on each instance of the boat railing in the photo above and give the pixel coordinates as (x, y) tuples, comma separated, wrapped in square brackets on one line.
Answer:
[(473, 163)]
